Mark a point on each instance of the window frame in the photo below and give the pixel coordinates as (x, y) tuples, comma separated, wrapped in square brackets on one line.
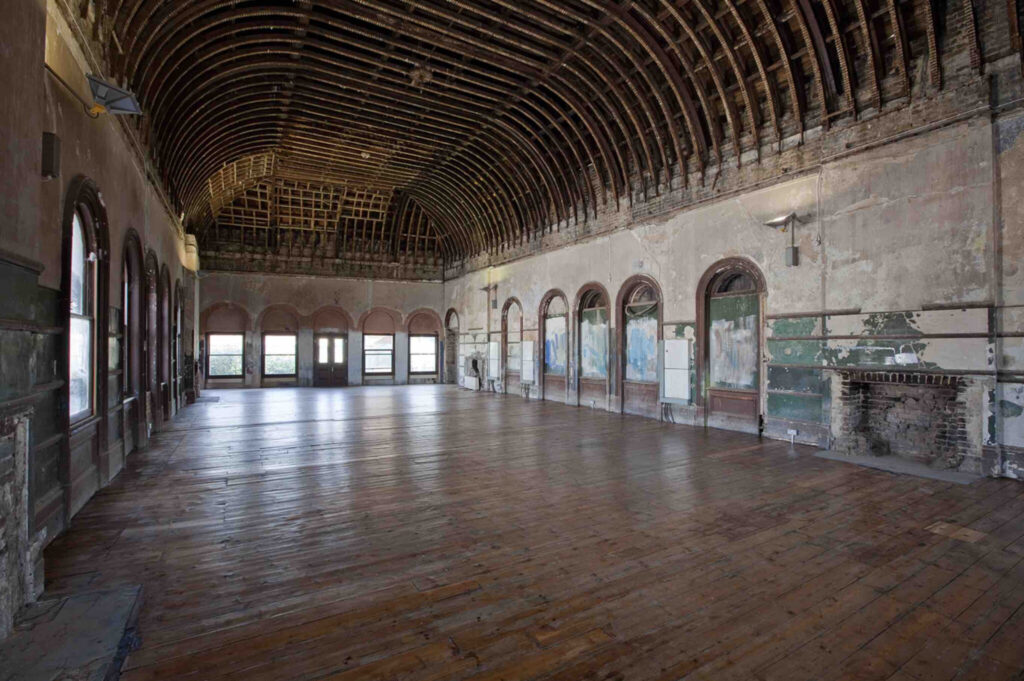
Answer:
[(263, 355), (209, 356), (82, 216), (378, 374), (437, 347)]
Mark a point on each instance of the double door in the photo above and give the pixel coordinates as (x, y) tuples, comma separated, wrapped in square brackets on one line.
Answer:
[(330, 367)]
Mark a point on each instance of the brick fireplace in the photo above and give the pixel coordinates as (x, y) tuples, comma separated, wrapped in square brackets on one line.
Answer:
[(914, 415)]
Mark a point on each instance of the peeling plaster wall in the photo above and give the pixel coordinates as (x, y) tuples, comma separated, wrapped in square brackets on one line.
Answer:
[(1007, 402), (904, 233), (304, 296), (34, 34)]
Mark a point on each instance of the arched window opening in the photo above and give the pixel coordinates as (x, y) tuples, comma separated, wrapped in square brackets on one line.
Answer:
[(452, 366), (424, 341), (555, 343), (82, 310), (729, 352), (554, 332), (642, 335), (512, 338), (639, 320), (593, 335), (379, 345)]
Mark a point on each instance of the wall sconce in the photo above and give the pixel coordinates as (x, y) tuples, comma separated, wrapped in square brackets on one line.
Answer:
[(782, 223)]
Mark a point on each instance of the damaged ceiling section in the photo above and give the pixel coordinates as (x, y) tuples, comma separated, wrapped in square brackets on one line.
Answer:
[(419, 133)]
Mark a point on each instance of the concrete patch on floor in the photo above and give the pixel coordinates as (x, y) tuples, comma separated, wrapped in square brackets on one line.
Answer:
[(893, 464), (84, 636)]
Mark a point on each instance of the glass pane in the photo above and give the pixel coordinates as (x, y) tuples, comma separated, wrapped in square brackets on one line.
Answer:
[(80, 367), (77, 266), (339, 351), (554, 345), (642, 347), (378, 363), (279, 345), (423, 364), (226, 344), (323, 348), (594, 343), (515, 358), (226, 365), (278, 365), (422, 344), (379, 342)]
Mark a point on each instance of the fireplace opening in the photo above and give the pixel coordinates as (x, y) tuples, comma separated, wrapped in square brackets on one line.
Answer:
[(919, 417)]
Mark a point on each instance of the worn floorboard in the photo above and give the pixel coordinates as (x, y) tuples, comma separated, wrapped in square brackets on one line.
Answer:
[(432, 533)]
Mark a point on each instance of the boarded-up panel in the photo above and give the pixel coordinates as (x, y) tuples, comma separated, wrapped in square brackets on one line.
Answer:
[(594, 392), (555, 345), (554, 387), (594, 344), (642, 345), (734, 342), (640, 398)]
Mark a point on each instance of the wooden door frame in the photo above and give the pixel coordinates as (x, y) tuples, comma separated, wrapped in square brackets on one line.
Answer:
[(726, 266), (330, 336)]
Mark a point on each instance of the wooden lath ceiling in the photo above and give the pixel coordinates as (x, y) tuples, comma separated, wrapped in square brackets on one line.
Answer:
[(500, 119)]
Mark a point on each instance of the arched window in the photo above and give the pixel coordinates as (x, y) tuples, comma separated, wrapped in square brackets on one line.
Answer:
[(132, 358), (82, 316), (280, 345), (639, 316), (424, 338), (512, 337), (593, 335), (379, 345), (642, 334), (729, 349), (452, 368), (555, 357)]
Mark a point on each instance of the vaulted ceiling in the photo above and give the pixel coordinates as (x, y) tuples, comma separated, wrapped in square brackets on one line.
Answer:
[(443, 128)]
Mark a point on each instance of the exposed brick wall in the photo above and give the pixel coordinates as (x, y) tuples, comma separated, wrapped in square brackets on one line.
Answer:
[(917, 416)]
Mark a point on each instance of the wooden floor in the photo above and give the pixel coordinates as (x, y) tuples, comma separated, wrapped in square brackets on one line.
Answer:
[(431, 533)]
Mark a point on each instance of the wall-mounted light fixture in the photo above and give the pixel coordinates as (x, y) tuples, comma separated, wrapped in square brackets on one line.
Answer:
[(112, 99), (782, 223)]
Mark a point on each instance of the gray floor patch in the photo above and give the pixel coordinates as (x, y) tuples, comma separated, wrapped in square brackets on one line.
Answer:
[(894, 464)]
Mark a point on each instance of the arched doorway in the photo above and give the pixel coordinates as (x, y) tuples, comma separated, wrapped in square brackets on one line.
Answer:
[(451, 347), (592, 329), (132, 333), (729, 322), (639, 317), (512, 345), (554, 331)]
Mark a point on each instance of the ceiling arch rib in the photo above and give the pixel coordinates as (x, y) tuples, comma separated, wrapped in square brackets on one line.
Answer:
[(438, 129)]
